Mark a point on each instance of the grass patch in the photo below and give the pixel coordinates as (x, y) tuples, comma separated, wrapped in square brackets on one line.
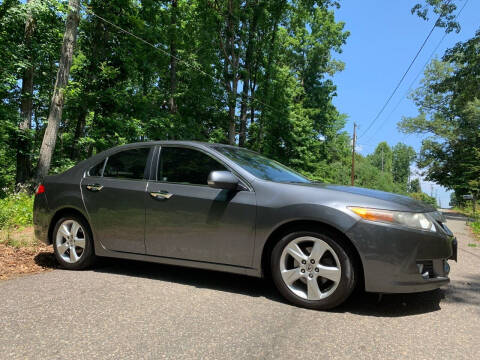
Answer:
[(16, 212), (20, 252), (474, 225), (472, 245), (18, 237)]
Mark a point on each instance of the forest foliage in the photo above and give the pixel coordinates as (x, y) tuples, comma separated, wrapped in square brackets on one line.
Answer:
[(253, 73)]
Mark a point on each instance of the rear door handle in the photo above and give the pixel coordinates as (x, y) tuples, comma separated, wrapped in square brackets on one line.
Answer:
[(161, 195), (94, 187)]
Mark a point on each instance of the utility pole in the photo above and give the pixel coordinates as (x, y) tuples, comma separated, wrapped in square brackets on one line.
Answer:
[(353, 152)]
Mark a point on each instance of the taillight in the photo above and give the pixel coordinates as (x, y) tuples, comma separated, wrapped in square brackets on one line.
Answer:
[(40, 189)]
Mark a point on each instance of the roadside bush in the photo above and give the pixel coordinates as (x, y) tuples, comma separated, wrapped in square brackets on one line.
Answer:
[(16, 210), (424, 198), (476, 227), (474, 222)]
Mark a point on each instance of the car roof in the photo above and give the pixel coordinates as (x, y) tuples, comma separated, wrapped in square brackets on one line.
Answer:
[(171, 142)]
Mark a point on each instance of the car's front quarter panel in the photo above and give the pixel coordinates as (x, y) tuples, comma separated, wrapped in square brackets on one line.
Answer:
[(280, 204)]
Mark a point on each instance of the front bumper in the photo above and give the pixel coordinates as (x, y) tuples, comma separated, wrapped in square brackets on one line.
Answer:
[(396, 259)]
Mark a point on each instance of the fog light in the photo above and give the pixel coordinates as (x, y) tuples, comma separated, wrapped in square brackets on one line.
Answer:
[(446, 267)]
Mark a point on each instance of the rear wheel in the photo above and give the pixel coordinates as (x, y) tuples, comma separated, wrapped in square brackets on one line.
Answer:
[(313, 270), (72, 243)]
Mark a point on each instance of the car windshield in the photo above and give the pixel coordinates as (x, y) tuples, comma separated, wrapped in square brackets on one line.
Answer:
[(260, 166)]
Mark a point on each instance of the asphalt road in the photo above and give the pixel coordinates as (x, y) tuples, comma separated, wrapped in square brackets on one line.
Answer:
[(134, 310)]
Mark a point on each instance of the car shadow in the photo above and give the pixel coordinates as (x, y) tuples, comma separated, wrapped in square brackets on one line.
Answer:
[(393, 305), (215, 280), (46, 259), (359, 303)]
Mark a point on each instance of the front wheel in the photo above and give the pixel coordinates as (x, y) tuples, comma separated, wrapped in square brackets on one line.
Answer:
[(313, 270), (72, 243)]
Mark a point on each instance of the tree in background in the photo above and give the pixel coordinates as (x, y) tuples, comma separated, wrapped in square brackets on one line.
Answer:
[(63, 73), (443, 10), (254, 73), (257, 73), (414, 186), (402, 157), (26, 101), (28, 33), (382, 157), (448, 101), (449, 108)]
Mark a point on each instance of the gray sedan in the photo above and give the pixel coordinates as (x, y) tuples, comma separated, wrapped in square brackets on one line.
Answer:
[(225, 208)]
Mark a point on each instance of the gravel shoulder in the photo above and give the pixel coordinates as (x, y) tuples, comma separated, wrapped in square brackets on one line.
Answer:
[(126, 309)]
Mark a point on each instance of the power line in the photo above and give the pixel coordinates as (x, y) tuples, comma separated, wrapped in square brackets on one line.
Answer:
[(402, 78), (416, 77), (147, 42)]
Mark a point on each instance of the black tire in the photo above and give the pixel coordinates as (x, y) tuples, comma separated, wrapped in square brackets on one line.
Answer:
[(87, 258), (345, 286)]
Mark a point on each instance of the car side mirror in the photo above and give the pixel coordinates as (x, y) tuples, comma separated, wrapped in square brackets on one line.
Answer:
[(222, 180)]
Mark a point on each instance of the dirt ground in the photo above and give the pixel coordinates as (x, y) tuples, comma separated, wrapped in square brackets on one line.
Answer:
[(21, 254)]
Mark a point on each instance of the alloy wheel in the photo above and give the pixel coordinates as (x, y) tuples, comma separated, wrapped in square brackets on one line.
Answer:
[(310, 268), (70, 241)]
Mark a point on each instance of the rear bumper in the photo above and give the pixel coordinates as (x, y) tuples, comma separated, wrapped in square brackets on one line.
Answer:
[(400, 260), (40, 218)]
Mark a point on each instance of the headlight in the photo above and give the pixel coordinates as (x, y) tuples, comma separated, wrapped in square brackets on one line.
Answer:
[(413, 220)]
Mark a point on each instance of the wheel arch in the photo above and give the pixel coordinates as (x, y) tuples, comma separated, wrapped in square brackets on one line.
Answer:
[(309, 225), (63, 212)]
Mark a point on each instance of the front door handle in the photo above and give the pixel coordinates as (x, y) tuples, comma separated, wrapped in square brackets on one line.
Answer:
[(161, 195), (94, 187)]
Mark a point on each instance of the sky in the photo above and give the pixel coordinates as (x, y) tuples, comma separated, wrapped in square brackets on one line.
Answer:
[(384, 38)]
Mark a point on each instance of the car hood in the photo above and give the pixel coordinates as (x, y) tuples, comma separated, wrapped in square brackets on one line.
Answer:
[(358, 196)]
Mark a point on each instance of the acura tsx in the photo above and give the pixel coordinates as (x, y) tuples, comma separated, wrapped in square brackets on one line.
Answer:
[(226, 208)]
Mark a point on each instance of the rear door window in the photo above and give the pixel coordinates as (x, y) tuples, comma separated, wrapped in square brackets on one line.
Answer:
[(128, 164)]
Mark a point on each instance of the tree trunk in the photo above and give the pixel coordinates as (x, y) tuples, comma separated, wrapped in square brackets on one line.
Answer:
[(232, 106), (79, 130), (56, 106), (231, 113), (268, 73), (227, 38), (173, 57), (253, 86), (246, 81), (243, 112), (26, 105)]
